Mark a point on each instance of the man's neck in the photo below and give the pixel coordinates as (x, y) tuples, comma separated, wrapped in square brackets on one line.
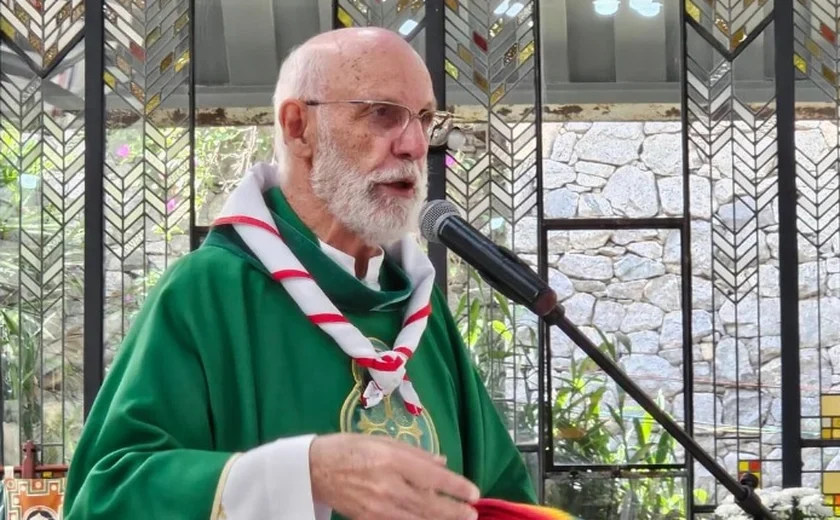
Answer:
[(314, 214)]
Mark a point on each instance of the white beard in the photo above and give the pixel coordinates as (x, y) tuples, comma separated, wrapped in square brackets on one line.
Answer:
[(350, 195)]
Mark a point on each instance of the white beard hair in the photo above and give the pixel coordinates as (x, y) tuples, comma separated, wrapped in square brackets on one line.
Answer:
[(348, 194)]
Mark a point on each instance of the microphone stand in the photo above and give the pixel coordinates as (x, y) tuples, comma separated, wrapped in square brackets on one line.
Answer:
[(524, 287)]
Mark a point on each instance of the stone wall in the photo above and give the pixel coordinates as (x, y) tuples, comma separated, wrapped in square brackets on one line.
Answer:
[(628, 282)]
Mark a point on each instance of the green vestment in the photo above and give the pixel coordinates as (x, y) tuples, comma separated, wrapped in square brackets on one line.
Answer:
[(221, 360)]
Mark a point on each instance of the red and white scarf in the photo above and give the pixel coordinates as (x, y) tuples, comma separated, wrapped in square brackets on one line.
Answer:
[(249, 216)]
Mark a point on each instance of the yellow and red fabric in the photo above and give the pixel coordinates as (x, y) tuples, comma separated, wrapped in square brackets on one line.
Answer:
[(495, 509)]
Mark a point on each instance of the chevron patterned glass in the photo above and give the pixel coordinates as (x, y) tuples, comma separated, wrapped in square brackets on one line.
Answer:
[(403, 16), (727, 24), (147, 151), (493, 180), (42, 159), (736, 320), (818, 233), (42, 30)]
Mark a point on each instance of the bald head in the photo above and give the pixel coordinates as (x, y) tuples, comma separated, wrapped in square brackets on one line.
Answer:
[(353, 63)]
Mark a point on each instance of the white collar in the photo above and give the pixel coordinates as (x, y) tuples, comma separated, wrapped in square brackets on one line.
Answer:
[(347, 262)]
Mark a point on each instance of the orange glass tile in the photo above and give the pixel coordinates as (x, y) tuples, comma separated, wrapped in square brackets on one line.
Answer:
[(465, 54), (800, 64), (166, 62), (692, 10), (836, 500), (344, 17), (829, 75), (830, 405), (137, 51), (813, 48), (738, 38), (480, 81), (755, 465), (831, 482)]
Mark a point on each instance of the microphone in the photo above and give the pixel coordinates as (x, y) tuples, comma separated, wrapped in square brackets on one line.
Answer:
[(441, 223)]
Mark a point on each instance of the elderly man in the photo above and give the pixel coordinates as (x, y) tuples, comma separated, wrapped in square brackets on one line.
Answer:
[(301, 364)]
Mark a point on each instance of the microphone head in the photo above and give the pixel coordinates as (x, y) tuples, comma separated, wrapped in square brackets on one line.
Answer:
[(434, 213)]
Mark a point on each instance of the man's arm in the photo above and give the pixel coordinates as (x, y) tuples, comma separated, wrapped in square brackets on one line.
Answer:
[(147, 448)]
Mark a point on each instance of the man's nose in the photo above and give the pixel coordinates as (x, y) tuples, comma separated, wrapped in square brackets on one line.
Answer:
[(412, 144)]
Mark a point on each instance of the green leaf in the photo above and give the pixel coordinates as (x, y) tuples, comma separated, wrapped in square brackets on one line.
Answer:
[(502, 330), (503, 305), (662, 448)]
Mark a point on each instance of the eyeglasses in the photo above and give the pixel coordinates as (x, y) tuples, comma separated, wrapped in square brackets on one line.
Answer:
[(386, 117)]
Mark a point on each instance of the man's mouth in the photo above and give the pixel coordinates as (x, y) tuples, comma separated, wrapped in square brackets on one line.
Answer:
[(401, 188)]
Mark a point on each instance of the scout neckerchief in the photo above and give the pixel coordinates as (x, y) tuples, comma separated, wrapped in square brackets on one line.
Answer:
[(246, 211)]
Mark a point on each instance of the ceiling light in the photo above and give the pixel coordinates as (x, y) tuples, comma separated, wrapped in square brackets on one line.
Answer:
[(606, 7), (407, 26), (646, 8), (502, 7), (515, 9)]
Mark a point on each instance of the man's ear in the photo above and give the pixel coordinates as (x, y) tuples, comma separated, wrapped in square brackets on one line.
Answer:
[(294, 120)]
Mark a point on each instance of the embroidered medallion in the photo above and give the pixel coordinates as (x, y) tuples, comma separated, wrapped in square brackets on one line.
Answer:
[(389, 417)]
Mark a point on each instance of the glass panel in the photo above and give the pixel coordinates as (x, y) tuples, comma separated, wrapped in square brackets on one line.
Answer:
[(735, 254), (147, 153), (818, 226), (43, 31), (493, 180), (598, 495), (41, 254), (622, 288)]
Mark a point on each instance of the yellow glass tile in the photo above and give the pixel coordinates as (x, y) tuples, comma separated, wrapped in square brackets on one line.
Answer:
[(800, 64), (826, 433), (78, 11), (526, 52), (497, 27), (153, 103), (7, 29), (21, 15), (813, 48), (183, 60), (836, 433), (835, 422), (837, 510), (743, 466), (166, 62), (722, 25), (35, 42), (829, 404), (109, 79), (138, 92), (829, 75), (738, 38), (480, 81), (182, 21), (465, 54), (831, 483), (402, 4), (453, 4), (344, 18), (450, 69), (497, 94), (153, 37), (692, 10), (50, 55), (748, 3), (63, 14), (511, 53)]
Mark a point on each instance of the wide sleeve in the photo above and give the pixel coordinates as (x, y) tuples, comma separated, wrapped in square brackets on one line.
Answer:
[(491, 459), (147, 447)]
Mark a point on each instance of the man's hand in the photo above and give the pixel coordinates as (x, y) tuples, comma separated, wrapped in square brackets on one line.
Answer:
[(373, 478)]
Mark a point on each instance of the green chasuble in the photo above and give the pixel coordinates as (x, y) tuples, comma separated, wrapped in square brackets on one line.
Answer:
[(221, 360)]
